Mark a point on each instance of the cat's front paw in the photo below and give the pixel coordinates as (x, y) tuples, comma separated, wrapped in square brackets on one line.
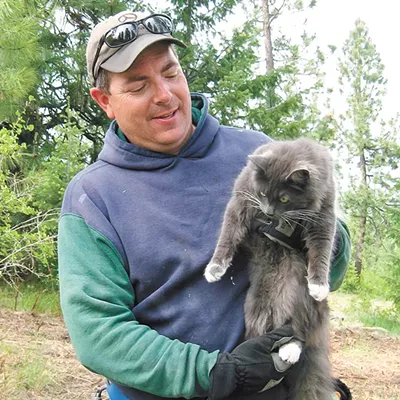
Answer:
[(319, 292), (290, 352), (214, 272)]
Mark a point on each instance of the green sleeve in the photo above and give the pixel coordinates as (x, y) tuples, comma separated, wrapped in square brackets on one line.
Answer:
[(341, 257), (96, 300)]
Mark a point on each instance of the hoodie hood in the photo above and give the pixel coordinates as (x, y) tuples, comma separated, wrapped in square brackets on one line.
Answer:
[(126, 155)]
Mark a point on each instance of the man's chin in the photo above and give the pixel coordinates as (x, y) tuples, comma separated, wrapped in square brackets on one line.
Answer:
[(174, 141)]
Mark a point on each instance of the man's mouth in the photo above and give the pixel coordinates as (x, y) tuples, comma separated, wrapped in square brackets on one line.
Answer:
[(168, 115)]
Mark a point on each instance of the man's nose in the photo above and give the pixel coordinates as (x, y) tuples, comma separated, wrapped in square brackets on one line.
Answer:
[(162, 92)]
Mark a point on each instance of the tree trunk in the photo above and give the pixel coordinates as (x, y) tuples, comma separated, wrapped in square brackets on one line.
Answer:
[(269, 60), (363, 218)]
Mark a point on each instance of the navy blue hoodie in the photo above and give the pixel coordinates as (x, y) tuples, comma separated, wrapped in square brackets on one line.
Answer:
[(136, 232)]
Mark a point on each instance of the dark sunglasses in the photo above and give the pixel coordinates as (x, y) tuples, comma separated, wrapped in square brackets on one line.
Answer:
[(127, 32)]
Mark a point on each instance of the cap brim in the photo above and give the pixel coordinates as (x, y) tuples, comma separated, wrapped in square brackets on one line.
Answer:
[(124, 57)]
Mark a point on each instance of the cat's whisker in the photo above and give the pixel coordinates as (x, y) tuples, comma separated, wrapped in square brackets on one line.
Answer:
[(287, 219), (257, 205), (308, 213), (306, 219), (253, 206), (305, 215), (249, 196)]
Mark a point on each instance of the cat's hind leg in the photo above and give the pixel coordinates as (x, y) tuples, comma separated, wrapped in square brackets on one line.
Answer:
[(316, 382)]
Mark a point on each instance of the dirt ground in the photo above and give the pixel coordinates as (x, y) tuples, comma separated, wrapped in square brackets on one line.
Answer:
[(37, 361)]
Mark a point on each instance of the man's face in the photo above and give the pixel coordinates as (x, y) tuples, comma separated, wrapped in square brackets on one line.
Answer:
[(151, 101)]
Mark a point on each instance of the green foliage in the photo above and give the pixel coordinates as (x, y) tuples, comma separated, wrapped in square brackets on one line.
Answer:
[(373, 149), (392, 263), (20, 51), (27, 246), (62, 130), (53, 173), (351, 283), (378, 283)]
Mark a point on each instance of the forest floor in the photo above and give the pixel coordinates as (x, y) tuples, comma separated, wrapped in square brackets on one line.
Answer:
[(37, 360)]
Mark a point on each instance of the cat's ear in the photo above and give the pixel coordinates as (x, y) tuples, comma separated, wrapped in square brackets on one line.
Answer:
[(299, 176), (257, 162)]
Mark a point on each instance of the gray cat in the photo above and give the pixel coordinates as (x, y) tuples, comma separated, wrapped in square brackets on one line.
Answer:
[(290, 182)]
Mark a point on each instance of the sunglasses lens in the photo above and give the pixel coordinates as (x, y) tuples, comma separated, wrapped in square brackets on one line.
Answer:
[(158, 24), (121, 35)]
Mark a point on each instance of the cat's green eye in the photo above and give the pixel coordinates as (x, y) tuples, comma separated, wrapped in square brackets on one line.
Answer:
[(262, 194), (283, 199)]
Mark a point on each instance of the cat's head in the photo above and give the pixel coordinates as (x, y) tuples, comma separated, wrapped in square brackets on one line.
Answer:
[(282, 181)]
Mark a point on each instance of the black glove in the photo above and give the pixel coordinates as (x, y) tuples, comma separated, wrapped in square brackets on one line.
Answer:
[(251, 367)]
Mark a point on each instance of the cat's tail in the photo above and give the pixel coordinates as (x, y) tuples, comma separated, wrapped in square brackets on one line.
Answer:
[(342, 390)]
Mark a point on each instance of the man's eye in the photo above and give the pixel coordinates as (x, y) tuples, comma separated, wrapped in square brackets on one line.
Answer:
[(137, 90)]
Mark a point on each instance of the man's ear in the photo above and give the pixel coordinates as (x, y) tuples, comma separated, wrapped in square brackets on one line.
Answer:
[(103, 100)]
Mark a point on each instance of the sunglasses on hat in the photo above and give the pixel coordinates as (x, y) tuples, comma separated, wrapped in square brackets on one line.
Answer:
[(127, 32)]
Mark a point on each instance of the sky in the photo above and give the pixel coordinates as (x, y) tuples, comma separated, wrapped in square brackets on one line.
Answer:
[(332, 21)]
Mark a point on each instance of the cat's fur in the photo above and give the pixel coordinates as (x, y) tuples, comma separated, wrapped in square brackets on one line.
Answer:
[(291, 181)]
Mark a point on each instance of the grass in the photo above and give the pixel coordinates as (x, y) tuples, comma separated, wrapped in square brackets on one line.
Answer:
[(384, 320), (30, 296), (37, 297), (369, 312), (37, 360), (24, 370)]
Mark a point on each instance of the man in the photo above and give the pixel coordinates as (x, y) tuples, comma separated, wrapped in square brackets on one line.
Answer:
[(139, 226)]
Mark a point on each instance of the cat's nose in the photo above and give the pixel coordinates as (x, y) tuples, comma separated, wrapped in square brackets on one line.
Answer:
[(270, 211)]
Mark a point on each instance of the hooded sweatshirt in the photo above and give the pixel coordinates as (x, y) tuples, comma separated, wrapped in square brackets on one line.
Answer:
[(136, 231)]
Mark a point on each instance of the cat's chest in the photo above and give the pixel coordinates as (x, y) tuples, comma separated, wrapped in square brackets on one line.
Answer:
[(276, 269)]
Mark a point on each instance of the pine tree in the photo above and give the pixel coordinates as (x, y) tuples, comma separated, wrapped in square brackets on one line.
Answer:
[(20, 51), (373, 146)]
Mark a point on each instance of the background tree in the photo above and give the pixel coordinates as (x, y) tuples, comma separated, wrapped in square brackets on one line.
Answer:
[(63, 129), (374, 147), (289, 103), (20, 52)]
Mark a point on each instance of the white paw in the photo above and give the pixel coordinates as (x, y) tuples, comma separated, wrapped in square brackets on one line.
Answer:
[(319, 292), (214, 272), (290, 352)]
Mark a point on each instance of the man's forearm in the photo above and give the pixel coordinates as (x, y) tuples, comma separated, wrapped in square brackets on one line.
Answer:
[(97, 298)]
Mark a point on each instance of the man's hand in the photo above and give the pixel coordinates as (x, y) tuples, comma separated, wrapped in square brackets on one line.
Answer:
[(252, 367)]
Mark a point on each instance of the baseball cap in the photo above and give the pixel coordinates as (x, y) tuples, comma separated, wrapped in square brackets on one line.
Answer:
[(119, 59)]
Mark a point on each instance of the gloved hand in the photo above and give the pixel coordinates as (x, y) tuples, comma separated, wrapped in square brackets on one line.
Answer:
[(251, 367)]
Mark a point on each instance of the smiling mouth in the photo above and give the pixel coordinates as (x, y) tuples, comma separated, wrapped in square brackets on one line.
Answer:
[(167, 116)]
